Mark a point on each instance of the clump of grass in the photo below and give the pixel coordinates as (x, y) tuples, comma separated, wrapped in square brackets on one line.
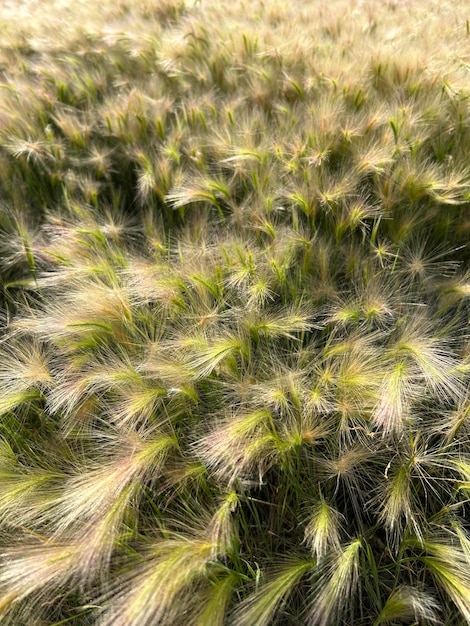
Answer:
[(234, 355)]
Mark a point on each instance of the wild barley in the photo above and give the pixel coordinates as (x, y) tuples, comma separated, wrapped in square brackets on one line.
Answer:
[(234, 351)]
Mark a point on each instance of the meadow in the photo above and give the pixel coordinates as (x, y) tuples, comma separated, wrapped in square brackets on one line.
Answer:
[(234, 324)]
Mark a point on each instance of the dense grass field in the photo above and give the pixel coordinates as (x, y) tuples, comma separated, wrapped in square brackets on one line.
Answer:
[(235, 282)]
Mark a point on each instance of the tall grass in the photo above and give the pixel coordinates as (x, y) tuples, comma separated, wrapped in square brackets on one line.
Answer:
[(234, 353)]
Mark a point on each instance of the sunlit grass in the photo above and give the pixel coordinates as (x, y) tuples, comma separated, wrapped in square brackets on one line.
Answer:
[(234, 349)]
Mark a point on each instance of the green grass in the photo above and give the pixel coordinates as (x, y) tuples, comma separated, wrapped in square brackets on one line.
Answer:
[(234, 350)]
